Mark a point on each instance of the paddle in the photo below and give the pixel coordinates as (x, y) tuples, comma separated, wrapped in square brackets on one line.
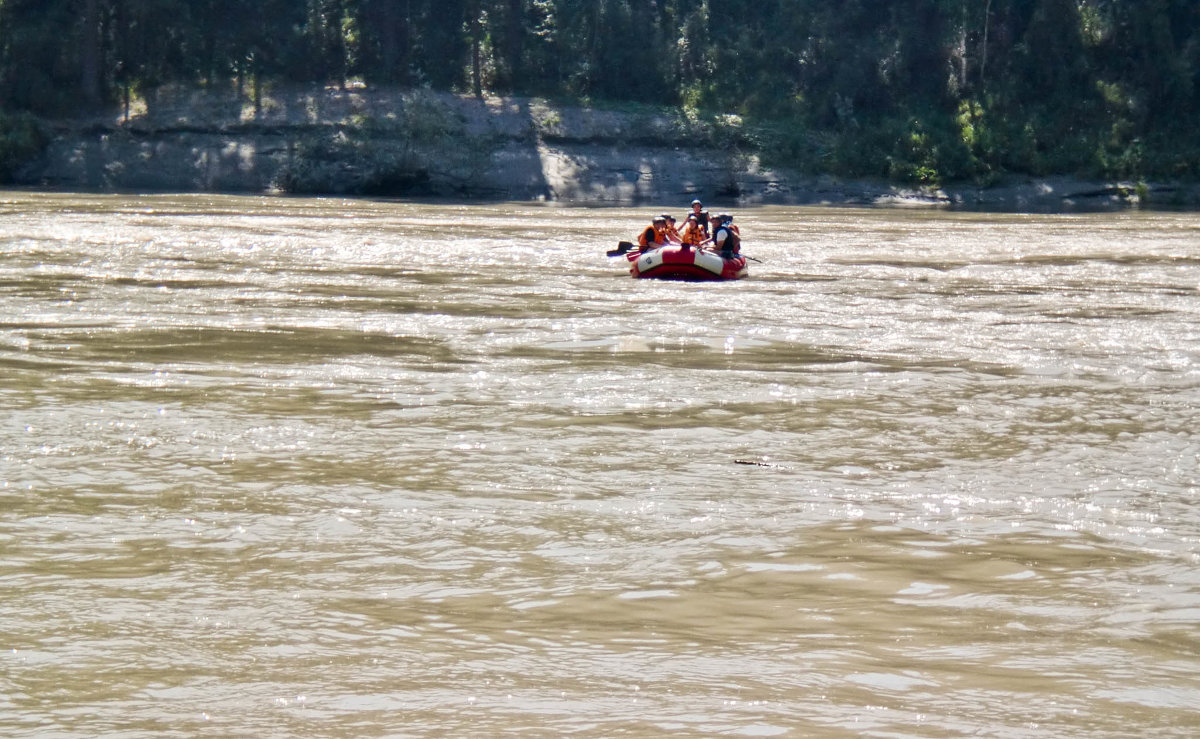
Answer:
[(745, 256), (623, 247), (764, 463), (752, 259)]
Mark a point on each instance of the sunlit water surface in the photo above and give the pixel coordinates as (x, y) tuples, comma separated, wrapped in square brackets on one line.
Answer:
[(318, 467)]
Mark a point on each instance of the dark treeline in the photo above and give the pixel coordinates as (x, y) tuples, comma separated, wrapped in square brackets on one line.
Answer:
[(915, 90)]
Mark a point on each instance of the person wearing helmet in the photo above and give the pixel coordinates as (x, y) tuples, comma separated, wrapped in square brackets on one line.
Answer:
[(726, 236), (672, 232), (701, 216), (654, 235), (692, 234)]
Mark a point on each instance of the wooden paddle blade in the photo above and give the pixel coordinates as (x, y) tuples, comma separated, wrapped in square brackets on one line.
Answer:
[(622, 248)]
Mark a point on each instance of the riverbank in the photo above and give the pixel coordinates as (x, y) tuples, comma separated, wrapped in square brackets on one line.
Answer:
[(406, 143)]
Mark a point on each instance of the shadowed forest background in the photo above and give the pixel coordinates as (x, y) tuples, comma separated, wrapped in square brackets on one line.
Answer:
[(920, 91)]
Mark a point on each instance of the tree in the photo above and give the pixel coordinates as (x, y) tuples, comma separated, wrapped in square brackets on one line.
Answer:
[(385, 43), (881, 86)]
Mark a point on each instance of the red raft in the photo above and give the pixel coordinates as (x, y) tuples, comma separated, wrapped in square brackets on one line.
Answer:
[(678, 262)]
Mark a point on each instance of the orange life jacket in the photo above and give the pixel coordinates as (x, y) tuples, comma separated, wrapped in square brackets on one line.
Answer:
[(651, 236)]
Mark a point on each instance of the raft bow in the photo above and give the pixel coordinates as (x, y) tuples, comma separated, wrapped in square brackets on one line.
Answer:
[(681, 262)]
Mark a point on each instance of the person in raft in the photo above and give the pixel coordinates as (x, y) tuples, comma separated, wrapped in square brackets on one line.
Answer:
[(672, 232), (701, 215), (726, 236), (654, 235), (692, 233)]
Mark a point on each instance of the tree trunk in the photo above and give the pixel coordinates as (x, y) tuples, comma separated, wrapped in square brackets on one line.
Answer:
[(393, 40), (474, 13), (983, 54), (90, 54), (513, 42)]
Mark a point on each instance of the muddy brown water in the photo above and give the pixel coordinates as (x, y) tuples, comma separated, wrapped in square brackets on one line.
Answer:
[(345, 468)]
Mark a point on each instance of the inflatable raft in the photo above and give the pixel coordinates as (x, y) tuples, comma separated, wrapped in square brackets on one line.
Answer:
[(678, 262)]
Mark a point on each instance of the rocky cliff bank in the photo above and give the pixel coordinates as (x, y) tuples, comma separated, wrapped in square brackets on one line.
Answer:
[(424, 144)]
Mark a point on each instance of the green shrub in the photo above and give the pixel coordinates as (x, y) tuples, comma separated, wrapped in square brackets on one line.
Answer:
[(21, 140), (390, 155)]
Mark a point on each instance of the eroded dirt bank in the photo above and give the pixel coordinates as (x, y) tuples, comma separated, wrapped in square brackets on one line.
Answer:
[(418, 143)]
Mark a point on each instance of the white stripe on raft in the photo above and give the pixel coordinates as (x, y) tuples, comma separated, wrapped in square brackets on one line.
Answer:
[(675, 262)]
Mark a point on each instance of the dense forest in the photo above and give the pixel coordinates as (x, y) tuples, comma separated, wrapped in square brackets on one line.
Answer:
[(912, 90)]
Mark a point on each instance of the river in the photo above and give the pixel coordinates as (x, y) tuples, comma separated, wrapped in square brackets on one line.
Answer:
[(352, 468)]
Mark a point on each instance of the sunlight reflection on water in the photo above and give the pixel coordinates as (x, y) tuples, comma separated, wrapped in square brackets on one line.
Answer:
[(366, 468)]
